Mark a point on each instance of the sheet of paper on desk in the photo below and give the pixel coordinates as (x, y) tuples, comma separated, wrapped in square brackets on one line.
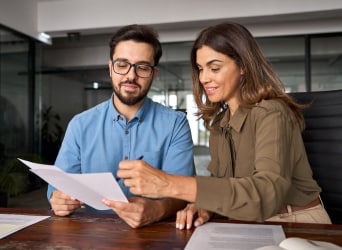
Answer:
[(88, 188), (234, 236), (10, 223)]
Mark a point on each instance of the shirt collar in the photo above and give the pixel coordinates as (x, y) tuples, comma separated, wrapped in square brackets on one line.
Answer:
[(237, 121), (139, 115)]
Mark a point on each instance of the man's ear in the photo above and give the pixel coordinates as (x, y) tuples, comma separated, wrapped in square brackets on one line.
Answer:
[(155, 72), (110, 68)]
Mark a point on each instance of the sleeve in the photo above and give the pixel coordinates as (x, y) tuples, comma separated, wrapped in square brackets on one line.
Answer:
[(260, 195), (68, 157), (179, 157)]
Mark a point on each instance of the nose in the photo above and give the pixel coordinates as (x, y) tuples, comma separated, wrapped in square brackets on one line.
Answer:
[(131, 73), (203, 77)]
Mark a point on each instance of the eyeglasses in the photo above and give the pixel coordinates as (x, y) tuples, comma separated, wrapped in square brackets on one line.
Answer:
[(141, 69)]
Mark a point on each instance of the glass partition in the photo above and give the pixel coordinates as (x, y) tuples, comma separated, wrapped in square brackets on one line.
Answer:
[(14, 95), (326, 63)]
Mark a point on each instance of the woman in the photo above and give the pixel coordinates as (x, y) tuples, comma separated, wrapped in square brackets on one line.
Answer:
[(259, 168)]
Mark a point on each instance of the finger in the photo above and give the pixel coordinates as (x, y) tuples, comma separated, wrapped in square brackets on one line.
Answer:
[(199, 221), (183, 219), (115, 205), (180, 219), (63, 210), (189, 218), (128, 164), (131, 213), (203, 216), (60, 195), (62, 201), (128, 182), (124, 173)]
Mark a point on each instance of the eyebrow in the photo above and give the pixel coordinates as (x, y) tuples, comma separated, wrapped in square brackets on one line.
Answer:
[(139, 62), (211, 62)]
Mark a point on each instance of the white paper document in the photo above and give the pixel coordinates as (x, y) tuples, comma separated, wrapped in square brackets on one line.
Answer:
[(10, 223), (88, 188), (229, 236)]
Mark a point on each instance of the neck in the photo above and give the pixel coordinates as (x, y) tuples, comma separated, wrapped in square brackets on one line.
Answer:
[(128, 111), (233, 106)]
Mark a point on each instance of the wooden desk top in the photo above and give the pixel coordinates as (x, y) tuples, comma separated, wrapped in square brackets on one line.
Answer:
[(104, 231)]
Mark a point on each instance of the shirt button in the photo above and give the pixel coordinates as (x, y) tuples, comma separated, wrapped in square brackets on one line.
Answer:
[(126, 158), (126, 132)]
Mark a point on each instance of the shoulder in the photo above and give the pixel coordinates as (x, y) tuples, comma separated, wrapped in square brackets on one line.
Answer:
[(92, 113), (275, 110), (269, 106), (163, 111)]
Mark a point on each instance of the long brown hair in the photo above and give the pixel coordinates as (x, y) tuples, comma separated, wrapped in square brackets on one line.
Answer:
[(259, 81)]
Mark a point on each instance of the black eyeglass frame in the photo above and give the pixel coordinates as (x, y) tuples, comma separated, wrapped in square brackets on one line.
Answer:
[(134, 65)]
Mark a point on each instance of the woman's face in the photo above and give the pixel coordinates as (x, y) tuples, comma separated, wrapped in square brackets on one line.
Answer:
[(219, 75)]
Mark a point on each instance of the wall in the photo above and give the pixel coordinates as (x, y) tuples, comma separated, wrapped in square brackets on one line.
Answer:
[(21, 16), (177, 20), (180, 20)]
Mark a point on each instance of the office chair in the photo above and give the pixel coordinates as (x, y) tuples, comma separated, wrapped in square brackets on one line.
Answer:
[(323, 142)]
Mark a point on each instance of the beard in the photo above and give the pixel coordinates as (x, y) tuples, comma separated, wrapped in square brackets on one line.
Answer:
[(129, 98)]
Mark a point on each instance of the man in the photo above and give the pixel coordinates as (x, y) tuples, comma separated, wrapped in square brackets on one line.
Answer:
[(127, 126)]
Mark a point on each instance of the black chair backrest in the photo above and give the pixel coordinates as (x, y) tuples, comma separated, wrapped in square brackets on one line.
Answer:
[(323, 142)]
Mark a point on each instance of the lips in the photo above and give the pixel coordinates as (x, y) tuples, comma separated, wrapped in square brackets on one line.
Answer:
[(129, 87), (210, 90)]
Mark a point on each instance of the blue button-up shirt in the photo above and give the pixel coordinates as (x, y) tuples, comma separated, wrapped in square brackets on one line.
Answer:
[(97, 139)]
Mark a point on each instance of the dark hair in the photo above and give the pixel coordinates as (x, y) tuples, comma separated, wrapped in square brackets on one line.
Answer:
[(138, 33), (259, 81)]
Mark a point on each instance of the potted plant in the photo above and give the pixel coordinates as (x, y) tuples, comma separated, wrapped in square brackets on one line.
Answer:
[(52, 134), (16, 178)]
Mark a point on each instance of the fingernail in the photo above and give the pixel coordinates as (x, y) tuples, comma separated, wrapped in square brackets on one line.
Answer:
[(181, 226), (188, 226), (196, 224), (177, 225)]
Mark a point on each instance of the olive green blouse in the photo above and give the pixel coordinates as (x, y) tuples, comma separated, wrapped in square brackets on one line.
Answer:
[(258, 164)]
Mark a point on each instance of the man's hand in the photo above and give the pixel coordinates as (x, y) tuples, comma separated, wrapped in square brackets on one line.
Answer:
[(63, 204), (138, 212), (191, 215)]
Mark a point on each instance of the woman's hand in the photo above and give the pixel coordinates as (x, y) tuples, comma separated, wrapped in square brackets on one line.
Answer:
[(143, 179), (191, 215)]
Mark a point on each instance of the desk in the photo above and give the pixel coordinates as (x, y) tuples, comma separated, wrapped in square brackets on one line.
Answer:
[(104, 231)]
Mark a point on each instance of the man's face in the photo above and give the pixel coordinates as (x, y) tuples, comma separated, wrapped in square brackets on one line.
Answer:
[(131, 89)]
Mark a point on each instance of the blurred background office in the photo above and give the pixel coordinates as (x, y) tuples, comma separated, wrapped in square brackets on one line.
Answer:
[(54, 54)]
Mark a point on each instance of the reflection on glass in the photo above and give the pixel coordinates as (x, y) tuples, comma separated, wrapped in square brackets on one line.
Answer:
[(326, 63)]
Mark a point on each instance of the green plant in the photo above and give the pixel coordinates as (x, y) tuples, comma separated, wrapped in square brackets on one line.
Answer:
[(16, 178), (52, 134)]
